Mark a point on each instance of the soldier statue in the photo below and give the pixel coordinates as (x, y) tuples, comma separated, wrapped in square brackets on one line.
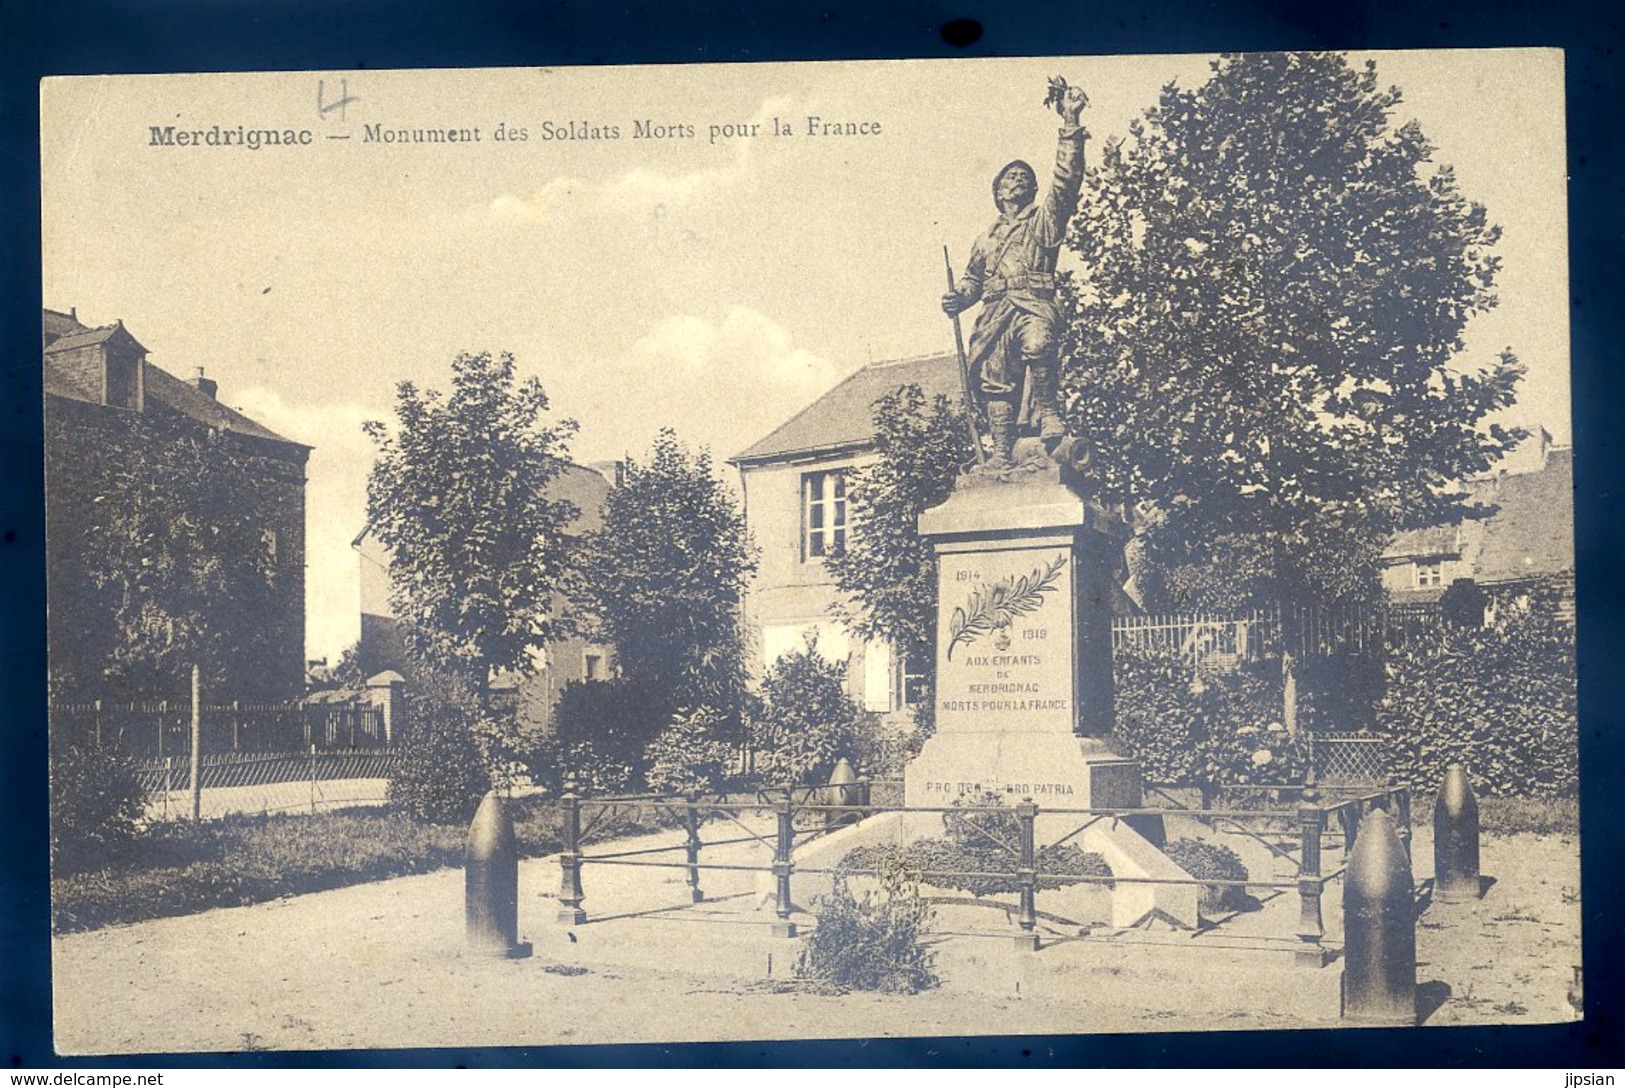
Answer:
[(1014, 359)]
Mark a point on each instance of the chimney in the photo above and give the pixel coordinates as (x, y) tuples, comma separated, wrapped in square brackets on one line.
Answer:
[(207, 386)]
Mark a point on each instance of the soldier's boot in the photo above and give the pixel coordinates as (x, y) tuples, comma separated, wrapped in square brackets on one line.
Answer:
[(1047, 406), (1001, 425)]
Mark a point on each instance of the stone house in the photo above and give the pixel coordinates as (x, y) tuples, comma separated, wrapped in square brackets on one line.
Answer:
[(108, 413), (1527, 541), (794, 483), (533, 696)]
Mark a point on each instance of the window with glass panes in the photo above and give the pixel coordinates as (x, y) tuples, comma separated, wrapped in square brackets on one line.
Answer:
[(823, 513)]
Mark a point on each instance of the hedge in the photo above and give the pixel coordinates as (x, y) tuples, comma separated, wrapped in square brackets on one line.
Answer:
[(1501, 700)]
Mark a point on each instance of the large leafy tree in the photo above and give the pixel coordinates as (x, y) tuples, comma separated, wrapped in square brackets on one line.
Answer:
[(156, 562), (1266, 336), (460, 496), (663, 579), (886, 569)]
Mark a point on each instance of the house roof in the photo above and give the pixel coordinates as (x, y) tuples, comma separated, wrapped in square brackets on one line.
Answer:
[(64, 333), (843, 418), (195, 404), (58, 324), (1533, 531), (86, 337)]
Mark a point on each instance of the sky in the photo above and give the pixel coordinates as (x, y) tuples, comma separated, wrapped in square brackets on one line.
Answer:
[(715, 283)]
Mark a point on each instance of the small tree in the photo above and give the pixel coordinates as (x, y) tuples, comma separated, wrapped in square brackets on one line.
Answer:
[(806, 722), (887, 569), (459, 494), (663, 579)]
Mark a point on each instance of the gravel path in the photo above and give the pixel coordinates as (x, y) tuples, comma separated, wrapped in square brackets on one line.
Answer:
[(382, 965)]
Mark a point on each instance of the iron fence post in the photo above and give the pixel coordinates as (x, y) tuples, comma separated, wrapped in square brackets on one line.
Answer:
[(1311, 928), (163, 711), (570, 912), (195, 759), (98, 724), (781, 865), (166, 788), (1027, 813), (691, 818), (313, 779), (236, 724)]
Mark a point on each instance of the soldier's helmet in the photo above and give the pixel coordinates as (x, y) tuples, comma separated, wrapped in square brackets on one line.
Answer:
[(1015, 164)]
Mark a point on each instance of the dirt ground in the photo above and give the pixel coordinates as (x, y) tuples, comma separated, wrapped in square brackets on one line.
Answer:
[(383, 965)]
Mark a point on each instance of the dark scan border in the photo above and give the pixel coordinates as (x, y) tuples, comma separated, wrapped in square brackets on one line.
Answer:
[(97, 36)]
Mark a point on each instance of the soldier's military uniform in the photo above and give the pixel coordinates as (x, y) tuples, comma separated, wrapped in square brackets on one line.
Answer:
[(1011, 271)]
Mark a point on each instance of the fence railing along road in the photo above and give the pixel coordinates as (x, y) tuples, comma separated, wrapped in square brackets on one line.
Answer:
[(1319, 824), (156, 730)]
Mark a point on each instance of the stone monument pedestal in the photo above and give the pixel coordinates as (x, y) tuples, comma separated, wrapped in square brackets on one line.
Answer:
[(1027, 570)]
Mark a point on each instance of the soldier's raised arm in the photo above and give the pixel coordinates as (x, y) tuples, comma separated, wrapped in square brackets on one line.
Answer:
[(1062, 199)]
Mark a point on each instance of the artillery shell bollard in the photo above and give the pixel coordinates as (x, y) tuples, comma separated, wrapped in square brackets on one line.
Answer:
[(491, 899), (1455, 838), (1379, 928), (842, 790)]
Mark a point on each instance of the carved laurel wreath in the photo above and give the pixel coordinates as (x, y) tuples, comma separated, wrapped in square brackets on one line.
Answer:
[(1002, 602)]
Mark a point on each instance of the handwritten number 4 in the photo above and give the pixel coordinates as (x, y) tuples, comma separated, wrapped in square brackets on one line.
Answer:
[(324, 107)]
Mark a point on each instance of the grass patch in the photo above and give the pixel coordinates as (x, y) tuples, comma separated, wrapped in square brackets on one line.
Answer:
[(183, 868), (1535, 815)]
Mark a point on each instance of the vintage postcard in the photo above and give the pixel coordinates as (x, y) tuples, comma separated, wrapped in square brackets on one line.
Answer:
[(821, 550)]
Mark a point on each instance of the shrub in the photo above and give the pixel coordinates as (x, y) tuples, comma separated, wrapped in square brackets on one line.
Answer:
[(594, 774), (1211, 861), (1500, 700), (873, 943), (689, 756), (441, 773), (602, 732), (981, 843), (1220, 728), (97, 801), (883, 751), (806, 722)]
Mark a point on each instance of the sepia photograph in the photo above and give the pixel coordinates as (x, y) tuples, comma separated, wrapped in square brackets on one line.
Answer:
[(809, 551)]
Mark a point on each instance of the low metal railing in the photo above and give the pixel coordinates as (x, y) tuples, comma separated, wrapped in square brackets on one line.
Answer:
[(1317, 819)]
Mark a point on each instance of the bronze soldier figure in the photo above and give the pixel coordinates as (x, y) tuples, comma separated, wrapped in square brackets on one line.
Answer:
[(1015, 344)]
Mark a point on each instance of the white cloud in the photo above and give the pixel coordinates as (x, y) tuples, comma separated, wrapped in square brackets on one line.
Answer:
[(721, 381)]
